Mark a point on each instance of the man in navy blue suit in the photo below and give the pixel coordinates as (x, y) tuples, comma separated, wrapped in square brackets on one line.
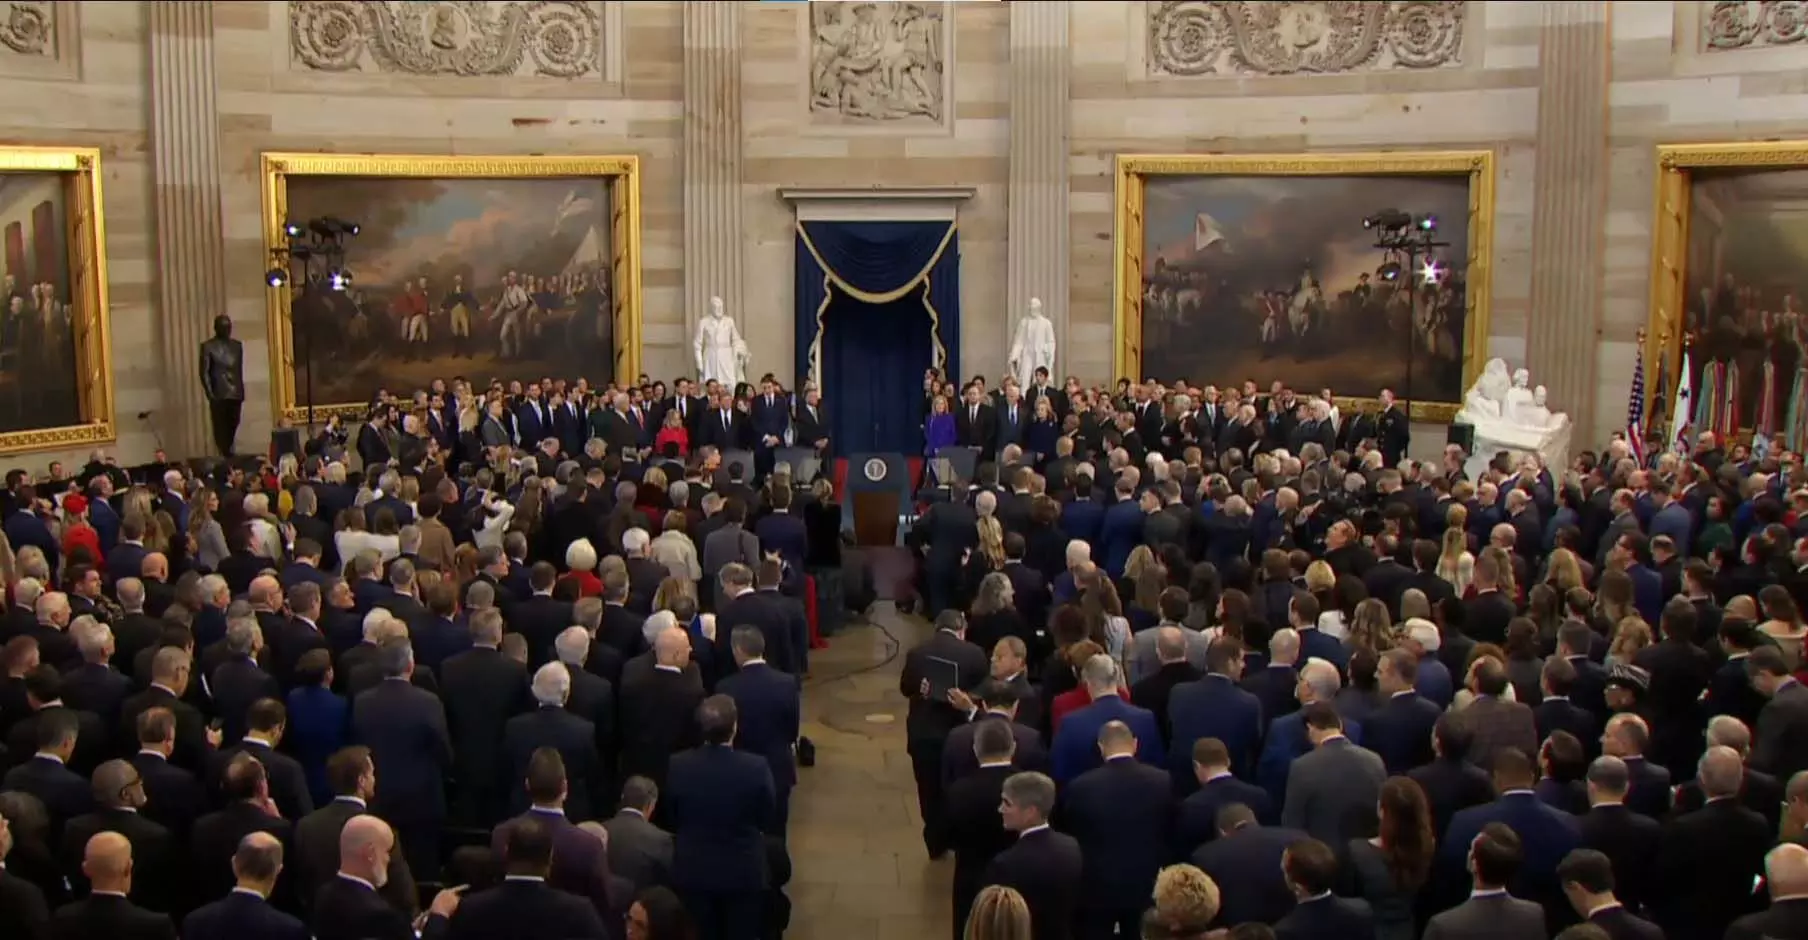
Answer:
[(1075, 748), (1196, 820), (1213, 706), (1245, 860), (1013, 418), (780, 531), (1318, 682), (25, 527), (126, 560), (771, 420), (770, 712), (1121, 813), (1400, 730), (1310, 868), (720, 804), (1546, 833), (533, 419), (246, 912), (405, 729)]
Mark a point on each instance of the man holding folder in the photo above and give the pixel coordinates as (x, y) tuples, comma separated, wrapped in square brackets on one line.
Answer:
[(944, 663)]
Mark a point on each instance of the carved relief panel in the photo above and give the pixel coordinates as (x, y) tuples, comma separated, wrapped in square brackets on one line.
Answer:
[(1753, 24), (880, 64), (559, 40), (1191, 38), (39, 40)]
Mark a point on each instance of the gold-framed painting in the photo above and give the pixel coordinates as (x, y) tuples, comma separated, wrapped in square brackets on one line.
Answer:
[(515, 268), (1729, 256), (56, 354), (1258, 267)]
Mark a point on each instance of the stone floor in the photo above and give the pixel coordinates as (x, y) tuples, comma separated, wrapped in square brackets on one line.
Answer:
[(857, 851)]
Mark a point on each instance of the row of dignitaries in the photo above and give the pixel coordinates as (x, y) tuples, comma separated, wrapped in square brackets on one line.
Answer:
[(561, 769), (1374, 718)]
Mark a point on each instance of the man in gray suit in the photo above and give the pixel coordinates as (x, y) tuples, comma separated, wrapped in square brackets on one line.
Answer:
[(1491, 913), (638, 850), (1496, 723), (1624, 521), (1332, 791), (731, 544)]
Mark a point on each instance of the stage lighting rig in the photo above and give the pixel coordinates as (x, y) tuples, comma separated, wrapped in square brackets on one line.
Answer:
[(308, 256), (1409, 245)]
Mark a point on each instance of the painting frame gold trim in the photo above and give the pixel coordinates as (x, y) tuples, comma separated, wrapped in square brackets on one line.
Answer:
[(625, 225), (91, 321), (1134, 170), (1671, 201)]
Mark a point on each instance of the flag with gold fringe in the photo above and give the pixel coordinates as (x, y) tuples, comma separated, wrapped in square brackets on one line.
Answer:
[(1765, 421), (1726, 418), (1711, 374), (1795, 432)]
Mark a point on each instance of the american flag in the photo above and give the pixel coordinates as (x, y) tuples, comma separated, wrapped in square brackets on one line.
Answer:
[(1635, 408)]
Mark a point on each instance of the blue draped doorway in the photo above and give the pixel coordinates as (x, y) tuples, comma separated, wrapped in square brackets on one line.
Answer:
[(877, 303)]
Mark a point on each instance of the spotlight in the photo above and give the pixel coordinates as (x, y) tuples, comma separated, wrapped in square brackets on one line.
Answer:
[(1389, 272), (276, 277), (292, 229), (330, 227), (1431, 272), (339, 280), (1388, 220), (1428, 223)]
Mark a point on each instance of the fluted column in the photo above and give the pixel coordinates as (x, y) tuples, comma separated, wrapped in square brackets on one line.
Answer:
[(1569, 212), (1037, 254), (712, 160), (191, 266)]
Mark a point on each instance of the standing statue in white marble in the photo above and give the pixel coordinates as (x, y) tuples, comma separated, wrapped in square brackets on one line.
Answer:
[(1033, 346), (721, 353)]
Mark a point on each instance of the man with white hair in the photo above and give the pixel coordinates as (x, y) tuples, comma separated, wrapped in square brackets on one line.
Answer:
[(1758, 791), (644, 574), (52, 614), (1319, 681), (238, 681), (95, 686), (1075, 748), (659, 707), (1713, 857), (1066, 587), (592, 696), (551, 725)]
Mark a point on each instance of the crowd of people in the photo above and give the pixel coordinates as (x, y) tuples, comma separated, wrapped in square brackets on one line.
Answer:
[(1233, 665), (470, 677)]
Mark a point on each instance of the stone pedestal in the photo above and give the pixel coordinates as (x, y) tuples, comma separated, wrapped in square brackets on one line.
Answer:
[(1037, 248), (713, 235), (190, 259)]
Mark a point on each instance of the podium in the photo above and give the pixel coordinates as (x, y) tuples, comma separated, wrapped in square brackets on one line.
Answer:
[(878, 486)]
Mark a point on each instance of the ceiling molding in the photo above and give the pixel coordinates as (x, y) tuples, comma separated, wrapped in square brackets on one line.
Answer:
[(875, 203)]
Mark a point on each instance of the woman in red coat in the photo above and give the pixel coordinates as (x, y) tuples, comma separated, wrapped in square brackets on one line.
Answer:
[(78, 534), (672, 432), (1079, 697)]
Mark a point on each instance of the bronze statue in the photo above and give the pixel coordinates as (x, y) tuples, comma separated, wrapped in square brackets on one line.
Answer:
[(223, 381)]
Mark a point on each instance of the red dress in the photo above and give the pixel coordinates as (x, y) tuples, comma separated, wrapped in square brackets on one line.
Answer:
[(589, 585), (1072, 701), (82, 535), (677, 435)]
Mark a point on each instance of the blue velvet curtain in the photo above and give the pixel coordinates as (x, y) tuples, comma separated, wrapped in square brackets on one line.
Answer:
[(876, 304)]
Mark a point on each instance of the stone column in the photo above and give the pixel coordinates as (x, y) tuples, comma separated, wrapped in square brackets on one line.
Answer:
[(191, 267), (712, 161), (1569, 212), (1037, 246)]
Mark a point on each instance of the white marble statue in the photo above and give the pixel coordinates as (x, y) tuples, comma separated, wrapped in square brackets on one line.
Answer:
[(1033, 346), (1508, 414), (721, 353)]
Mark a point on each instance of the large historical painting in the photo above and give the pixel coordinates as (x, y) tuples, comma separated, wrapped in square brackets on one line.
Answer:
[(1747, 270), (38, 375), (486, 278), (1275, 278)]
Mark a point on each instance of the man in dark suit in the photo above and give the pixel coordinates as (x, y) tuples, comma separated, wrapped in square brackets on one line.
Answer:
[(1629, 840), (941, 664), (1588, 882), (771, 413), (1120, 813), (23, 910), (639, 850), (1214, 707), (246, 911), (1400, 729), (1711, 858), (1786, 875), (119, 795), (44, 696), (1557, 711), (541, 617), (725, 427), (1546, 833), (482, 689), (174, 797), (267, 720), (106, 914), (1627, 737), (1497, 723), (194, 741), (720, 802), (405, 729), (1043, 865), (1273, 686), (348, 906), (1332, 791), (1310, 868), (354, 780), (95, 686), (1494, 858), (1245, 861), (240, 681), (813, 424), (550, 725), (998, 703), (1782, 746), (780, 531), (579, 861), (528, 903), (976, 831), (690, 407), (245, 787), (1758, 791), (45, 774), (974, 421), (1012, 417), (766, 611), (770, 710), (1196, 818), (659, 706)]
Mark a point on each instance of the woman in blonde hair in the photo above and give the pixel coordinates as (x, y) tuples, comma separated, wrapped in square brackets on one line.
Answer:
[(1630, 635), (1186, 902), (1372, 629), (1564, 571), (1503, 563), (999, 913), (1144, 579), (1455, 564)]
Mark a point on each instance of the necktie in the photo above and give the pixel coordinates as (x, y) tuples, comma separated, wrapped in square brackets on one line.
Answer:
[(680, 408), (768, 401), (725, 421), (1013, 414), (973, 414)]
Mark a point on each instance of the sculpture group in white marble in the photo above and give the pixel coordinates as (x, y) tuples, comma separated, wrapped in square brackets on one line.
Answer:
[(877, 62), (720, 351), (1032, 346), (1508, 414)]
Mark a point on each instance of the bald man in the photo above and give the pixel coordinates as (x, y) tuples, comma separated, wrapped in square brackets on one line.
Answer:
[(1786, 876), (1710, 859), (348, 906), (659, 709), (106, 914), (118, 796), (245, 911)]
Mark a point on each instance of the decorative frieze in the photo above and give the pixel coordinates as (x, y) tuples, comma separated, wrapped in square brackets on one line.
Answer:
[(1287, 37), (876, 63), (560, 39)]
